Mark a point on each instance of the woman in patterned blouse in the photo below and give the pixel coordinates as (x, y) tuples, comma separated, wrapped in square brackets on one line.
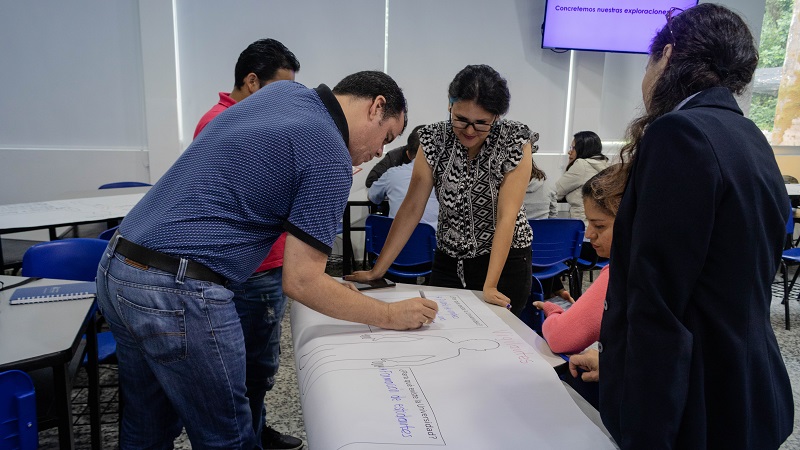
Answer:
[(480, 165)]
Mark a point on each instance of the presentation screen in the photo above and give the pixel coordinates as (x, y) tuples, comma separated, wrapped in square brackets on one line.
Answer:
[(625, 26)]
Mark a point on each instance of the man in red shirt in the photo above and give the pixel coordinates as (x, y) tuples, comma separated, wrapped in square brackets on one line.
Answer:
[(259, 301)]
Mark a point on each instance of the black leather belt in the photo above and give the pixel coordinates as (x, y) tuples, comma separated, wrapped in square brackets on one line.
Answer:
[(146, 257)]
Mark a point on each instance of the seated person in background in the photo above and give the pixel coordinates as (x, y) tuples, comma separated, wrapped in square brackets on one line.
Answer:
[(392, 158), (540, 201), (393, 185), (573, 330), (585, 160)]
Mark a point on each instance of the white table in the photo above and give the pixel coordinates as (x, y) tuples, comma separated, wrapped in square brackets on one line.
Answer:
[(476, 378), (31, 216), (19, 217), (40, 335), (793, 189)]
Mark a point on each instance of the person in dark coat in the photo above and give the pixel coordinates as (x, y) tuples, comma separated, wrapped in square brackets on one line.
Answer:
[(688, 358)]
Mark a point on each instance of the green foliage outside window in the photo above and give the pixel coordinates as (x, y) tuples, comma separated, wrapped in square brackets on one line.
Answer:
[(762, 111), (775, 32), (772, 52)]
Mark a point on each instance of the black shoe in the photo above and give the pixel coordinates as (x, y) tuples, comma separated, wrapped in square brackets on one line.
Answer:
[(272, 439)]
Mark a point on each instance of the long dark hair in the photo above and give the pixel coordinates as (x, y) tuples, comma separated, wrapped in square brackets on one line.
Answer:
[(711, 47), (587, 145), (412, 144), (536, 172)]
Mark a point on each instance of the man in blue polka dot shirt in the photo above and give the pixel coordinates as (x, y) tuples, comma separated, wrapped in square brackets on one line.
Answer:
[(280, 160)]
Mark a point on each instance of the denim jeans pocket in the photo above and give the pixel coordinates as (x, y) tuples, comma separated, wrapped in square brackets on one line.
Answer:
[(161, 333)]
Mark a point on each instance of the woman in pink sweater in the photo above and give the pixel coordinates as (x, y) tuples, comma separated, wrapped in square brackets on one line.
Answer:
[(573, 330)]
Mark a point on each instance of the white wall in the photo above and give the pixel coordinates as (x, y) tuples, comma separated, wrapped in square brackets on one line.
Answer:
[(72, 98), (330, 39), (92, 92), (429, 44)]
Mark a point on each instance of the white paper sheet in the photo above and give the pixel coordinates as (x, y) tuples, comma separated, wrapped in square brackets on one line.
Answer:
[(466, 381)]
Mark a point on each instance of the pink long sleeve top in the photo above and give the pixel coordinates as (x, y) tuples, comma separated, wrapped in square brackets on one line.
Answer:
[(573, 330)]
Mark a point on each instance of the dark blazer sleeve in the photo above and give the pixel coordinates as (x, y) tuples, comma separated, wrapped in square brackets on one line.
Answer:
[(678, 186), (393, 158)]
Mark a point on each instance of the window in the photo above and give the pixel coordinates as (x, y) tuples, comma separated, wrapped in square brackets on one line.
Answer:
[(775, 106)]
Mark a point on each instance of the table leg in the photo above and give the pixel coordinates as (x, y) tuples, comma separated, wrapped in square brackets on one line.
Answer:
[(63, 404), (347, 244), (94, 381)]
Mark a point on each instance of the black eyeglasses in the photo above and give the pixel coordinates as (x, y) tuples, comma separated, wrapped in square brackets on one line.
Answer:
[(477, 126), (674, 11)]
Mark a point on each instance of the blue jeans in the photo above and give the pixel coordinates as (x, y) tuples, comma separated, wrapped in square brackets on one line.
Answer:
[(181, 358), (260, 304)]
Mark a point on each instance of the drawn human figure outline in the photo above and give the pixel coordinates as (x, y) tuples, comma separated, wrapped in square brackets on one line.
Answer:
[(378, 351)]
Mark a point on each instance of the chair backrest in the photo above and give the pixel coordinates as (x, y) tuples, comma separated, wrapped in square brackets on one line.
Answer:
[(531, 316), (789, 230), (123, 184), (108, 234), (419, 249), (66, 259), (18, 426), (555, 240)]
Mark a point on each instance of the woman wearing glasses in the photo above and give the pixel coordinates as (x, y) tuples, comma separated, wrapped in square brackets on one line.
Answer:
[(688, 358), (585, 161), (480, 165)]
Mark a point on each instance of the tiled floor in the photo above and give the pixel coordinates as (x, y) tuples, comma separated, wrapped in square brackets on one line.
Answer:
[(284, 406)]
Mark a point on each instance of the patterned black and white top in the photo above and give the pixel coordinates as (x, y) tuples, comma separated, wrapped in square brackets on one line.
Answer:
[(467, 189)]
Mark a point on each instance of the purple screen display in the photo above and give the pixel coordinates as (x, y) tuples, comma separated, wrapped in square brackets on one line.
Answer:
[(606, 25)]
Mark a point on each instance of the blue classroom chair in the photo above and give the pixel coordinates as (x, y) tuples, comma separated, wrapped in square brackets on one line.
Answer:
[(123, 184), (555, 242), (18, 425), (531, 316), (71, 259), (555, 249), (790, 257), (416, 258), (108, 234), (65, 259), (588, 261)]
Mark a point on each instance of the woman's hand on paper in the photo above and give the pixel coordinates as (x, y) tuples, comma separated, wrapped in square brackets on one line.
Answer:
[(495, 297), (362, 276)]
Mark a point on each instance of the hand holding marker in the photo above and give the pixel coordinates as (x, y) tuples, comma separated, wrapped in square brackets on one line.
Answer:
[(422, 294)]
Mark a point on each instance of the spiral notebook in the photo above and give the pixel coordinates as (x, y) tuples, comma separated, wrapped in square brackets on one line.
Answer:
[(53, 293)]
